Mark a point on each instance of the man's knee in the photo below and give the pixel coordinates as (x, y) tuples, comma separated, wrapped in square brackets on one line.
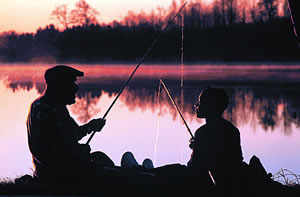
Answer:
[(101, 158)]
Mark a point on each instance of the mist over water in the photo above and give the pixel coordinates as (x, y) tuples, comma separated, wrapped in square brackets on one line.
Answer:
[(264, 105)]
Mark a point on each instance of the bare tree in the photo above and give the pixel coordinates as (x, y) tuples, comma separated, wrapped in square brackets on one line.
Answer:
[(244, 10), (61, 15), (162, 13), (222, 4), (194, 14), (83, 15), (217, 14), (225, 12), (286, 9), (268, 9), (130, 19), (231, 11), (253, 9)]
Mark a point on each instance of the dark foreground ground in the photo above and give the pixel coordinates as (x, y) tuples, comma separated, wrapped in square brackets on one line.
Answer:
[(169, 180), (130, 189), (136, 185)]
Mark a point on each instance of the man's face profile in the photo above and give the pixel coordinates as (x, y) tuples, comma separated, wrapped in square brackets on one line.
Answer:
[(62, 84), (68, 92)]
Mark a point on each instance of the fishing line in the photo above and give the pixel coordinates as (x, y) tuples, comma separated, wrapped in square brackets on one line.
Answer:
[(181, 81), (181, 100), (157, 126), (182, 55)]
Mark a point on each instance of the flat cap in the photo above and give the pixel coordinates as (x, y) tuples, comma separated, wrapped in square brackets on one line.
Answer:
[(62, 73)]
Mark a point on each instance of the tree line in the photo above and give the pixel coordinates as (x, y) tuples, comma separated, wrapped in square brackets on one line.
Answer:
[(225, 30)]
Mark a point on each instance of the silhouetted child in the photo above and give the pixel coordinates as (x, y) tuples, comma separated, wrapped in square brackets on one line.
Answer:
[(216, 148)]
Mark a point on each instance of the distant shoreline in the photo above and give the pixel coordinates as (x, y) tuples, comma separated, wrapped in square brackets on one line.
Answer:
[(165, 63)]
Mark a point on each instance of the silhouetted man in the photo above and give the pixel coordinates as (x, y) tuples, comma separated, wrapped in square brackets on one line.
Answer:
[(53, 134), (216, 147)]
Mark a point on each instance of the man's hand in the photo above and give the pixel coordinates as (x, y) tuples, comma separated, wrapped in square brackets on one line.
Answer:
[(96, 124)]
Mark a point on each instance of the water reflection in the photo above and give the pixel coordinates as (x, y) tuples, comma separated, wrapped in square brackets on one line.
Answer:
[(26, 85), (269, 109), (267, 114), (269, 106), (85, 108)]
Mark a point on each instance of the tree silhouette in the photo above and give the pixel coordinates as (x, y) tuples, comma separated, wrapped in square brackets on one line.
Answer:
[(268, 10), (253, 11), (83, 15), (225, 12), (217, 14), (61, 15), (286, 9), (227, 30), (231, 11)]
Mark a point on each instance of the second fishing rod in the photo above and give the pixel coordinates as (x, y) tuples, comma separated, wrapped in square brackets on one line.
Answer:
[(177, 109)]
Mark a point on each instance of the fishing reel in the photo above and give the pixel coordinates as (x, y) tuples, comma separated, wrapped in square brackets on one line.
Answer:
[(191, 141)]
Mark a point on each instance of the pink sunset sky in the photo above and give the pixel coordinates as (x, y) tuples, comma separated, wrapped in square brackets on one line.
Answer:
[(29, 15)]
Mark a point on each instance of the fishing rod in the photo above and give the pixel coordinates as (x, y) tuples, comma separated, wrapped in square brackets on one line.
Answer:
[(187, 127), (137, 66)]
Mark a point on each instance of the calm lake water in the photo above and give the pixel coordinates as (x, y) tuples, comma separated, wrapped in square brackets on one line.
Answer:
[(264, 105)]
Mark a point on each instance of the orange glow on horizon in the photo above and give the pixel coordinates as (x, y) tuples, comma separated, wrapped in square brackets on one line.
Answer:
[(29, 15)]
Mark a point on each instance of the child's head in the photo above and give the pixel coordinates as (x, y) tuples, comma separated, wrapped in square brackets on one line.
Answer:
[(212, 102)]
